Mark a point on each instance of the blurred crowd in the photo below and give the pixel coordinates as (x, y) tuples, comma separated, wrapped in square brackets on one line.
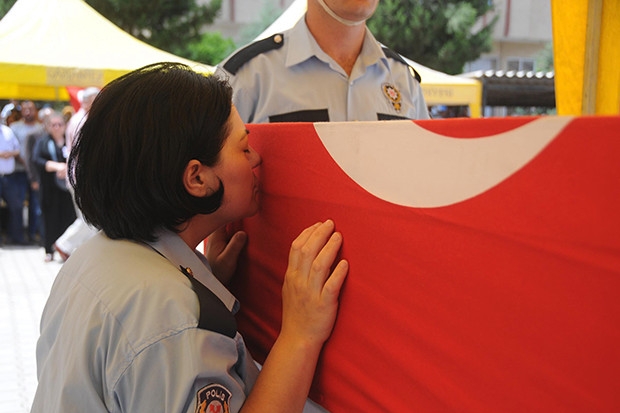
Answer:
[(36, 203)]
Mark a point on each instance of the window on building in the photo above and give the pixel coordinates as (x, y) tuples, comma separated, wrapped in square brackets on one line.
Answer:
[(488, 63), (520, 64)]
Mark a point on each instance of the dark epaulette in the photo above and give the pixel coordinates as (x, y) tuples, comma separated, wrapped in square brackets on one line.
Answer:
[(252, 50), (391, 53), (214, 316)]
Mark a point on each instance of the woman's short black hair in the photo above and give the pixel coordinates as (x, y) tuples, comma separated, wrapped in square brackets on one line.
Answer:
[(129, 157)]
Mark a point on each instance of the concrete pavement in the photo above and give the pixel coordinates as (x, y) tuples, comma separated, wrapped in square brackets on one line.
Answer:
[(25, 282)]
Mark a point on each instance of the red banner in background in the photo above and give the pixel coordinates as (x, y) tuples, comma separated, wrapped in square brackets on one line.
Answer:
[(503, 299), (73, 96)]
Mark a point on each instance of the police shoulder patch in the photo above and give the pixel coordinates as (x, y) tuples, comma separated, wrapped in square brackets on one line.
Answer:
[(392, 54), (213, 398), (236, 61)]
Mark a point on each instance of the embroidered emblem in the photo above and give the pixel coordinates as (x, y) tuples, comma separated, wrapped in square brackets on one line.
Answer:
[(213, 398), (392, 94)]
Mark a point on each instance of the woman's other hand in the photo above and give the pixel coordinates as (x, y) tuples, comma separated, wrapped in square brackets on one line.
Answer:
[(223, 249)]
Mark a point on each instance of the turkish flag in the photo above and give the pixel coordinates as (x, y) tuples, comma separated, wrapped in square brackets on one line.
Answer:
[(484, 260)]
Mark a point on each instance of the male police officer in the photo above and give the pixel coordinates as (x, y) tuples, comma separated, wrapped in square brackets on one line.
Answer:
[(328, 67)]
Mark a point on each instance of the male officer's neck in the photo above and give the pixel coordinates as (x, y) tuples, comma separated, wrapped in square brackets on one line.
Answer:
[(343, 43)]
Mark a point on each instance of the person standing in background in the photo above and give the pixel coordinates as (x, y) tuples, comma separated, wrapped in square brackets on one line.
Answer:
[(50, 155), (328, 67), (27, 190), (85, 97), (31, 168), (10, 113), (79, 231), (67, 113), (9, 150)]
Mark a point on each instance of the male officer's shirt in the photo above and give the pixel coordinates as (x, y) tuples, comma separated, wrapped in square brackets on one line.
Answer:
[(289, 78), (121, 333)]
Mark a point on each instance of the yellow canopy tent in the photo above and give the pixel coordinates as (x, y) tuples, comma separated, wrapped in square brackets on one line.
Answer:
[(438, 88), (442, 89), (586, 56), (46, 45)]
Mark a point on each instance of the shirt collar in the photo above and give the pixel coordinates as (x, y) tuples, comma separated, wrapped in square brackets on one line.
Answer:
[(172, 247), (302, 46)]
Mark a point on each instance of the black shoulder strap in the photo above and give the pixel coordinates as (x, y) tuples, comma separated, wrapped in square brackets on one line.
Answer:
[(391, 53), (252, 50), (214, 316)]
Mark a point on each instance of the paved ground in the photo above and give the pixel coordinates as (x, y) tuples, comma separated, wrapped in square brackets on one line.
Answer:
[(25, 282)]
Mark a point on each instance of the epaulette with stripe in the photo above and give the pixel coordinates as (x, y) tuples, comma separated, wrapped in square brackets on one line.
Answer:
[(391, 53), (214, 316), (252, 50)]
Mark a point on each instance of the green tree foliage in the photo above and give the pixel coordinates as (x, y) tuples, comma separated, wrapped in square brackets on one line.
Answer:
[(5, 6), (211, 49), (170, 25), (441, 34), (544, 59)]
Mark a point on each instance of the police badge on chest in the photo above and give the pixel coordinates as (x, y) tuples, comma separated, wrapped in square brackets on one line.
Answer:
[(393, 95)]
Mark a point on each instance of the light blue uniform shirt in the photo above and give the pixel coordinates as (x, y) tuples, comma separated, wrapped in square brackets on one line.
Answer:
[(300, 82), (119, 334)]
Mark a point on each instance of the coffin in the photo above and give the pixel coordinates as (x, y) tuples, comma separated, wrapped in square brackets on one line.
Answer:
[(484, 260)]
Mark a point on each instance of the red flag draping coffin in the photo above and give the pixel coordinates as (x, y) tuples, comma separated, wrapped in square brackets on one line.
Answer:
[(484, 260)]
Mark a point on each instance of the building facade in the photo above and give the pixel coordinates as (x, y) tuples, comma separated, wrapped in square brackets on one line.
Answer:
[(236, 15), (522, 32)]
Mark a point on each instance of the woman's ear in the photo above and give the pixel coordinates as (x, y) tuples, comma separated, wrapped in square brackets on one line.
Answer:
[(200, 180)]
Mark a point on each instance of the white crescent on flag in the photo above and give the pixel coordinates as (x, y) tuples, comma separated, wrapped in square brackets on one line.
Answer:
[(405, 164)]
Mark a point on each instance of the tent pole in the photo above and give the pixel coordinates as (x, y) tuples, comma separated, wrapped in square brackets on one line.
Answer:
[(590, 69)]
